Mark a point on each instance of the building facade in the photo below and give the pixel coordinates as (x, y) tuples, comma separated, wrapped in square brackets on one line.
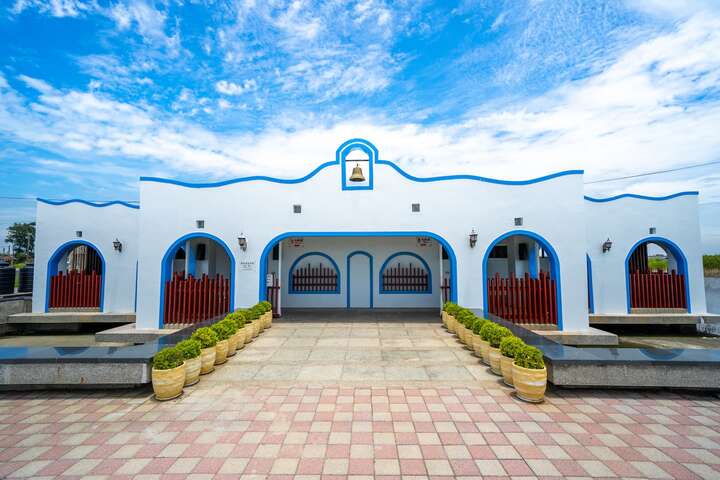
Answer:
[(359, 232)]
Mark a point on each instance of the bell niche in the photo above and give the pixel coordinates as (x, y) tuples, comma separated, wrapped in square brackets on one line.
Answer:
[(357, 159)]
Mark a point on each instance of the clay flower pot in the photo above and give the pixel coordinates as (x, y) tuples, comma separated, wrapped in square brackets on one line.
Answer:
[(221, 350), (443, 315), (192, 370), (452, 323), (240, 339), (256, 328), (494, 355), (268, 319), (168, 384), (506, 367), (207, 360), (232, 345), (476, 345), (248, 329), (530, 383), (485, 351), (460, 331)]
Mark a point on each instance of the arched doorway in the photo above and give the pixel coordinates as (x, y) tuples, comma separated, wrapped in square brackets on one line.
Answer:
[(198, 280), (76, 278), (656, 276), (521, 279), (359, 280)]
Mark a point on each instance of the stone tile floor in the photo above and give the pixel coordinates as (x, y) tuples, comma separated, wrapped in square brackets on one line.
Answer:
[(328, 400)]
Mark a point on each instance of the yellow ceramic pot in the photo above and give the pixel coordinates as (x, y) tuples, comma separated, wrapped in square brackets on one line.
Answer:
[(268, 319), (192, 370), (476, 344), (494, 354), (221, 350), (485, 351), (460, 330), (248, 329), (506, 367), (256, 327), (168, 384), (530, 384), (232, 345), (452, 323), (443, 315), (240, 339), (207, 359)]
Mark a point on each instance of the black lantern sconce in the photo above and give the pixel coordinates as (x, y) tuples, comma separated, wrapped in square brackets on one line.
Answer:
[(117, 245), (473, 238), (606, 246), (242, 241)]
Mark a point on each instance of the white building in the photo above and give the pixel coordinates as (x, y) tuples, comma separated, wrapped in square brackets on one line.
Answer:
[(534, 251)]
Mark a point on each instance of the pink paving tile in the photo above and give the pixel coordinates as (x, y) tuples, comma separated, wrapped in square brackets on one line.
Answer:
[(57, 468), (158, 465), (388, 451), (103, 451), (323, 416), (481, 452), (578, 452), (451, 438), (406, 438), (291, 451), (569, 468), (382, 427), (424, 427), (516, 468), (273, 438), (341, 427), (361, 466), (244, 450), (186, 437), (464, 467), (308, 466), (433, 452), (623, 469), (209, 465), (677, 471), (496, 439), (412, 467), (257, 466), (338, 451), (109, 466), (361, 438), (318, 437), (300, 426)]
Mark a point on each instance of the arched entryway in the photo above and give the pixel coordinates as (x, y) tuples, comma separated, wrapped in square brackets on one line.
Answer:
[(656, 276), (198, 280), (359, 290), (75, 278), (521, 279)]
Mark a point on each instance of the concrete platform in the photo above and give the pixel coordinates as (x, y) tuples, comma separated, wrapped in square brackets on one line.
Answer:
[(591, 336), (70, 317), (652, 319), (129, 334)]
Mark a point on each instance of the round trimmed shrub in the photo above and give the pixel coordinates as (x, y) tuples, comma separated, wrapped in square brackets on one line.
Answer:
[(167, 358), (510, 345), (487, 329), (222, 330), (207, 337), (529, 357), (497, 335), (230, 324), (478, 324), (266, 305), (190, 348)]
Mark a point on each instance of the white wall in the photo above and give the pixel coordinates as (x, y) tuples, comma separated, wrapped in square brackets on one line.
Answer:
[(381, 249), (57, 224), (626, 221)]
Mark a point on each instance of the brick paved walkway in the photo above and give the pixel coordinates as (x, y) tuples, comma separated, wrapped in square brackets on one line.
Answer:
[(227, 427)]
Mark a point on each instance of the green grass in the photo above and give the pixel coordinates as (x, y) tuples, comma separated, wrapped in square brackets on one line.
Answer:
[(711, 265)]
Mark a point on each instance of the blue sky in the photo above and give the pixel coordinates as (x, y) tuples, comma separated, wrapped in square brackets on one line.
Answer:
[(94, 94)]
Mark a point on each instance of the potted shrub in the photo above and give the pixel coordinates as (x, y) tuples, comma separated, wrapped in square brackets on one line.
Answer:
[(476, 338), (190, 350), (268, 313), (452, 310), (444, 314), (222, 331), (239, 322), (459, 326), (247, 325), (468, 321), (485, 332), (494, 339), (208, 339), (251, 316), (508, 347), (529, 374), (232, 339), (168, 373)]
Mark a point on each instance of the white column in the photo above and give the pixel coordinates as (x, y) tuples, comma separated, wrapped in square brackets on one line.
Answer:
[(279, 295)]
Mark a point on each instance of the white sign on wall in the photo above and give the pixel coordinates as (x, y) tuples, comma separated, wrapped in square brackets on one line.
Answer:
[(424, 241), (247, 266), (297, 242)]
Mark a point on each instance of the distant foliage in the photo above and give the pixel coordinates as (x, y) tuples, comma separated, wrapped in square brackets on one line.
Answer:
[(658, 264), (711, 264)]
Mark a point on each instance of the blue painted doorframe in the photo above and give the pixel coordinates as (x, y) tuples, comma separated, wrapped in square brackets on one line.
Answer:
[(347, 274), (262, 293)]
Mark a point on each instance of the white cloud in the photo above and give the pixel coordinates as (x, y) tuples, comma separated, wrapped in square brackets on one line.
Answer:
[(230, 88), (56, 8)]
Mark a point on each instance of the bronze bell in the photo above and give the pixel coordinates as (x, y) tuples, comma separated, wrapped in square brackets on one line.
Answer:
[(357, 175)]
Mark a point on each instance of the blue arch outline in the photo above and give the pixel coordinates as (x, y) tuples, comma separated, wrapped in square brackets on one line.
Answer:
[(291, 287), (392, 292), (52, 269), (555, 262), (342, 153), (641, 197), (680, 259), (262, 292), (166, 267), (90, 204), (591, 295), (347, 274)]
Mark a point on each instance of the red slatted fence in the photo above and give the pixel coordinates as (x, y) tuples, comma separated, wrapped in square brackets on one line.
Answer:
[(192, 300), (657, 290), (314, 279), (523, 300), (405, 279), (75, 290)]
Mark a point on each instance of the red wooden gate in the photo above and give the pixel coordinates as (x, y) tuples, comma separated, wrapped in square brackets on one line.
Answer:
[(523, 300), (657, 290), (193, 300), (314, 279), (75, 290), (405, 279)]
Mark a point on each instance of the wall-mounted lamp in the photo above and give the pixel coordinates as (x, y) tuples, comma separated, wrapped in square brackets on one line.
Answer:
[(200, 223), (78, 233), (117, 245), (473, 238), (242, 241), (652, 230), (518, 221), (606, 246)]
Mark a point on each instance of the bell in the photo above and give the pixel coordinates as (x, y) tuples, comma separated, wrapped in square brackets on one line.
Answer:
[(357, 175)]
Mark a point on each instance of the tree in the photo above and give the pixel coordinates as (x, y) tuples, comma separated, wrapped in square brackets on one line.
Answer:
[(22, 237)]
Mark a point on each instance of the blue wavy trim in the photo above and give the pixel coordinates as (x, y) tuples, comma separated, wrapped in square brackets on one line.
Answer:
[(641, 197), (90, 204), (380, 162)]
